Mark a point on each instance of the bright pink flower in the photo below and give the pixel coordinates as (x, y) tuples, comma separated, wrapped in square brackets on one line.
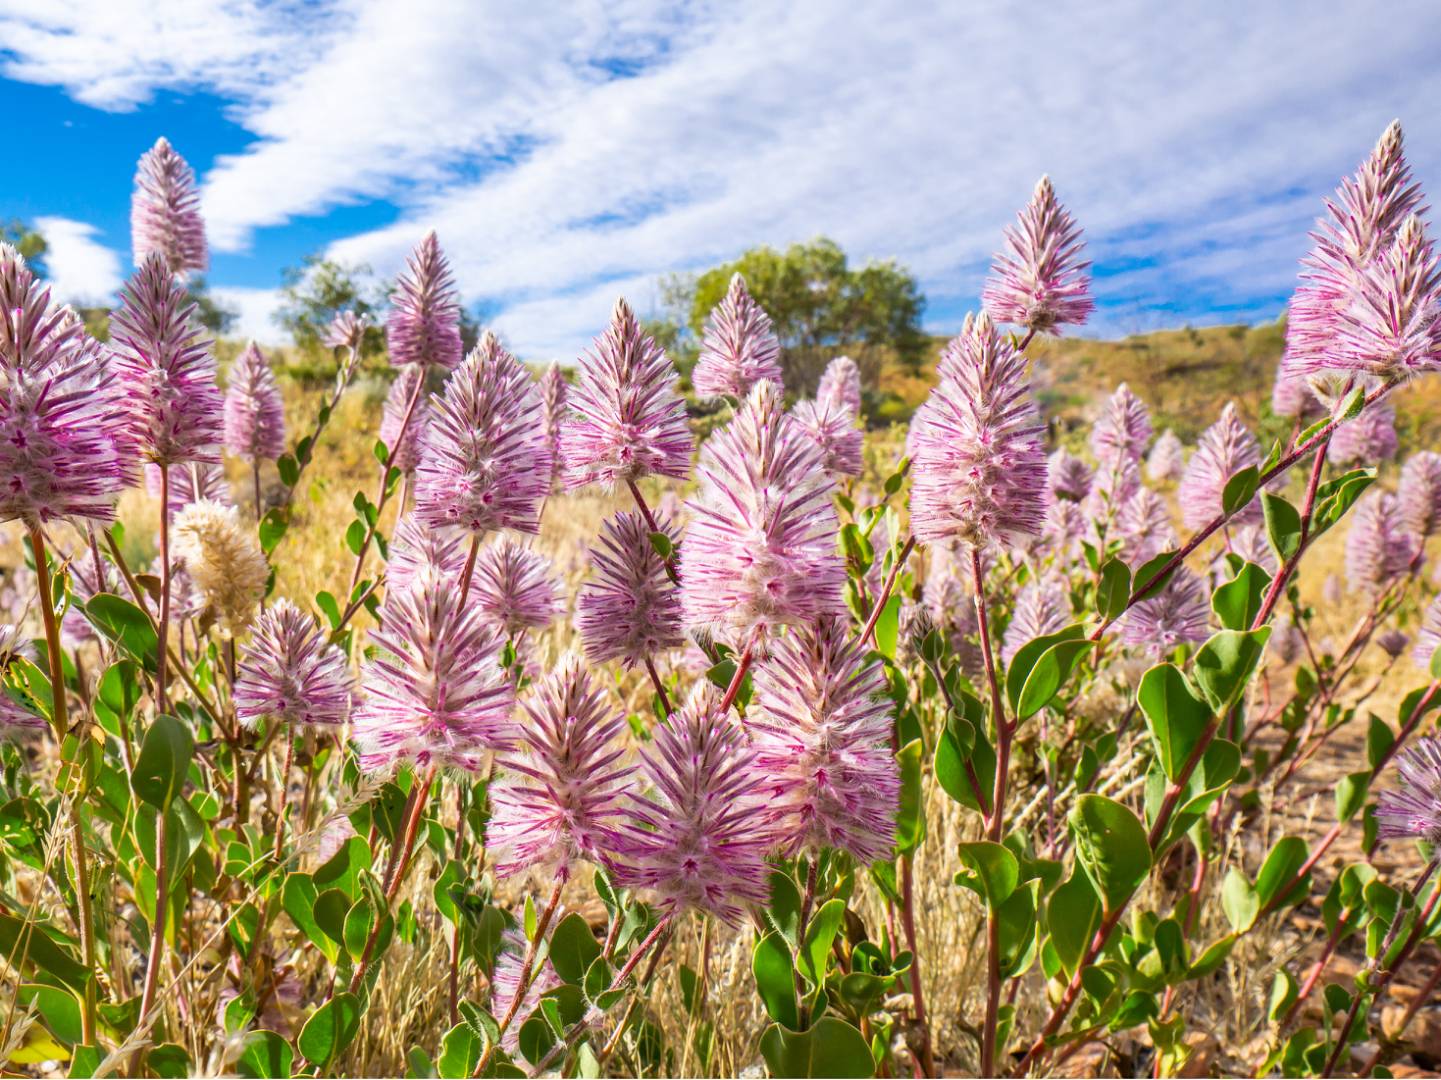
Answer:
[(841, 384), (424, 324), (1392, 327), (1124, 427), (1413, 811), (1418, 495), (629, 609), (1040, 281), (1225, 448), (626, 419), (405, 454), (739, 348), (1378, 548), (761, 550), (1042, 607), (554, 393), (560, 798), (165, 212), (1167, 461), (291, 673), (1367, 440), (979, 469), (513, 588), (254, 409), (833, 430), (1145, 529), (485, 465), (416, 549)]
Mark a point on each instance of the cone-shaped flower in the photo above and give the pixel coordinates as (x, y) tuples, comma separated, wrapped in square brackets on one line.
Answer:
[(1178, 614), (223, 559), (738, 349), (554, 393), (434, 694), (513, 588), (1413, 811), (505, 984), (626, 419), (761, 550), (1378, 547), (1040, 281), (405, 452), (347, 330), (1363, 220), (415, 549), (165, 370), (820, 723), (291, 673), (1392, 328), (841, 384), (190, 483), (424, 323), (560, 799), (629, 609), (833, 430), (700, 841), (1369, 439), (1428, 637), (165, 212), (1225, 448), (978, 467), (254, 410), (1418, 495), (1041, 608), (63, 447), (1066, 525), (1145, 528), (1069, 476), (1124, 427), (1167, 461), (485, 465), (1291, 396)]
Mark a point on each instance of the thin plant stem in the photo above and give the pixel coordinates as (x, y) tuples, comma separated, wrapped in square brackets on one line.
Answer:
[(527, 973), (653, 526), (868, 632), (383, 493), (162, 699), (284, 794), (918, 996), (659, 686)]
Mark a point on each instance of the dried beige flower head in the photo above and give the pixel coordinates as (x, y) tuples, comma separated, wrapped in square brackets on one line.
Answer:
[(224, 560)]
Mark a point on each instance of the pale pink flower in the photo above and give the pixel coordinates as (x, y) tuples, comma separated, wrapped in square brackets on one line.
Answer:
[(513, 588), (1124, 427), (254, 409), (629, 609), (738, 349), (1378, 548), (424, 324), (1040, 281), (291, 673), (833, 429), (1418, 495), (1225, 448), (841, 385), (1167, 461), (165, 216), (1369, 439)]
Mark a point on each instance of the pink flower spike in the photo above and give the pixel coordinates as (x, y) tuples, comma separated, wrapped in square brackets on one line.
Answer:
[(1040, 281), (1069, 477), (347, 330), (1413, 810), (1225, 448), (1378, 548), (513, 588), (1392, 327), (739, 348), (291, 673), (1428, 638), (1369, 439), (554, 393), (1145, 528), (1179, 614), (405, 454), (190, 483), (834, 432), (1418, 495), (1124, 427), (424, 324), (841, 385), (1042, 607), (254, 409), (165, 216), (629, 609), (1167, 462)]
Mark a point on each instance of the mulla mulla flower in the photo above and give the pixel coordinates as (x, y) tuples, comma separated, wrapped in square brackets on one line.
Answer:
[(1418, 495), (190, 483), (15, 717), (559, 799), (1369, 439), (254, 409), (64, 452), (1069, 477), (291, 673), (505, 984), (978, 467), (485, 464), (165, 216), (760, 550), (1042, 607), (841, 384), (423, 328), (554, 392), (1123, 429), (739, 348), (1144, 526), (1413, 810), (415, 549), (513, 588), (1040, 281), (347, 330), (434, 694), (1291, 396), (626, 419), (700, 839), (820, 723), (403, 437), (1428, 637), (224, 561), (1225, 448), (1378, 547), (629, 609), (165, 370), (833, 430), (1393, 642), (1178, 613), (1392, 327), (1167, 460)]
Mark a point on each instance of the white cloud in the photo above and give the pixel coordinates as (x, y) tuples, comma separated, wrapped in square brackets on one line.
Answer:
[(254, 313), (82, 270)]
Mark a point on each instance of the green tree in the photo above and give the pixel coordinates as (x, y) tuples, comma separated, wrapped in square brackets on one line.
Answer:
[(820, 305), (29, 242), (317, 290)]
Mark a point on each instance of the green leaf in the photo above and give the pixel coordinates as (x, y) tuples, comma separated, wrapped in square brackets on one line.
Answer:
[(273, 527), (126, 625), (662, 544), (1238, 602), (775, 979), (330, 607), (289, 470), (1225, 664), (1351, 794), (1379, 739), (1049, 675), (265, 1054), (1111, 845), (888, 627), (58, 1008), (1352, 404), (996, 870), (1281, 865), (330, 1029), (169, 1061), (1073, 915), (1019, 669), (1114, 589), (1283, 525), (460, 1051), (17, 939), (573, 948), (911, 818), (1150, 570), (820, 933), (1239, 901), (355, 537), (1175, 717), (164, 759), (1335, 497), (1240, 489), (830, 1047)]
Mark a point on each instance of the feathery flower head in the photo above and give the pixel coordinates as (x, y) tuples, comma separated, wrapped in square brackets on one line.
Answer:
[(485, 465), (254, 409), (166, 371), (1167, 461), (513, 589), (739, 348), (1040, 281), (1414, 809), (424, 324), (292, 673), (434, 694), (347, 330), (416, 550), (1368, 439), (224, 560), (505, 984), (1115, 484), (1393, 642), (1065, 526), (1418, 495), (554, 392), (165, 216), (1291, 396), (1392, 327), (64, 452), (405, 452), (1069, 476), (560, 798), (979, 469), (189, 483), (820, 723), (700, 841), (841, 384), (1123, 429), (1041, 608), (1428, 637), (629, 609), (1145, 528), (1250, 543), (1378, 548), (1225, 448), (1178, 614), (833, 429), (761, 549), (626, 419)]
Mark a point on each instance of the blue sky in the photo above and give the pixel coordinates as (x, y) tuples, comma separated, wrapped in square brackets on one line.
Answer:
[(570, 153)]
